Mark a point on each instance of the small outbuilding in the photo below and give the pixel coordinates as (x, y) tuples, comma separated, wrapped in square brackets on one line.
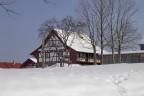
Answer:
[(7, 65), (30, 63)]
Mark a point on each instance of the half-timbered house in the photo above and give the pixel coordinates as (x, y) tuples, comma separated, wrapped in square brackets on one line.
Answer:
[(66, 47)]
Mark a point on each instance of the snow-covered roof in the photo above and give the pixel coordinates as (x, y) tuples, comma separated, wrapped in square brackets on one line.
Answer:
[(33, 59), (141, 41), (79, 43), (127, 52)]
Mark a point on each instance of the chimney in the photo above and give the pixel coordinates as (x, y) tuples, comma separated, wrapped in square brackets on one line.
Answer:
[(80, 32)]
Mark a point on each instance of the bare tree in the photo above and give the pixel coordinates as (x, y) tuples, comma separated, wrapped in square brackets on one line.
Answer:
[(47, 26), (94, 14), (125, 10), (100, 13), (110, 35), (86, 15), (121, 33), (111, 20), (68, 25), (129, 36), (4, 5), (44, 30)]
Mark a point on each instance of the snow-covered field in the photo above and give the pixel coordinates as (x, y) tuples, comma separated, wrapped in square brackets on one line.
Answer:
[(98, 80)]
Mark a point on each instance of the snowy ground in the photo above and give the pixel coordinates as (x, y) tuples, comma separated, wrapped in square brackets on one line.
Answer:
[(103, 80)]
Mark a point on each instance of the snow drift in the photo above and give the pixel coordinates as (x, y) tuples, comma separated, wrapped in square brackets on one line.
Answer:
[(98, 80)]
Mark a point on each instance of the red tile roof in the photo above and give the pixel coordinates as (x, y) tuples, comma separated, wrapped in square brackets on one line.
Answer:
[(9, 65)]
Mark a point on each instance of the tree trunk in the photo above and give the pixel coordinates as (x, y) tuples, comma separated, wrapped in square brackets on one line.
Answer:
[(119, 50), (113, 56), (102, 46), (95, 58), (43, 54)]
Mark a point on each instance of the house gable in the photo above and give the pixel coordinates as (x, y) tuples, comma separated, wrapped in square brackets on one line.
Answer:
[(55, 50)]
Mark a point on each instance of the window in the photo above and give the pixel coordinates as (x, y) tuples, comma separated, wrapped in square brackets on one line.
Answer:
[(47, 54), (90, 55), (82, 55)]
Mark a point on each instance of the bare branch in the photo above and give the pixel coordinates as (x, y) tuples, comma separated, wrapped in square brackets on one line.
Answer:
[(4, 4), (48, 2), (47, 26)]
